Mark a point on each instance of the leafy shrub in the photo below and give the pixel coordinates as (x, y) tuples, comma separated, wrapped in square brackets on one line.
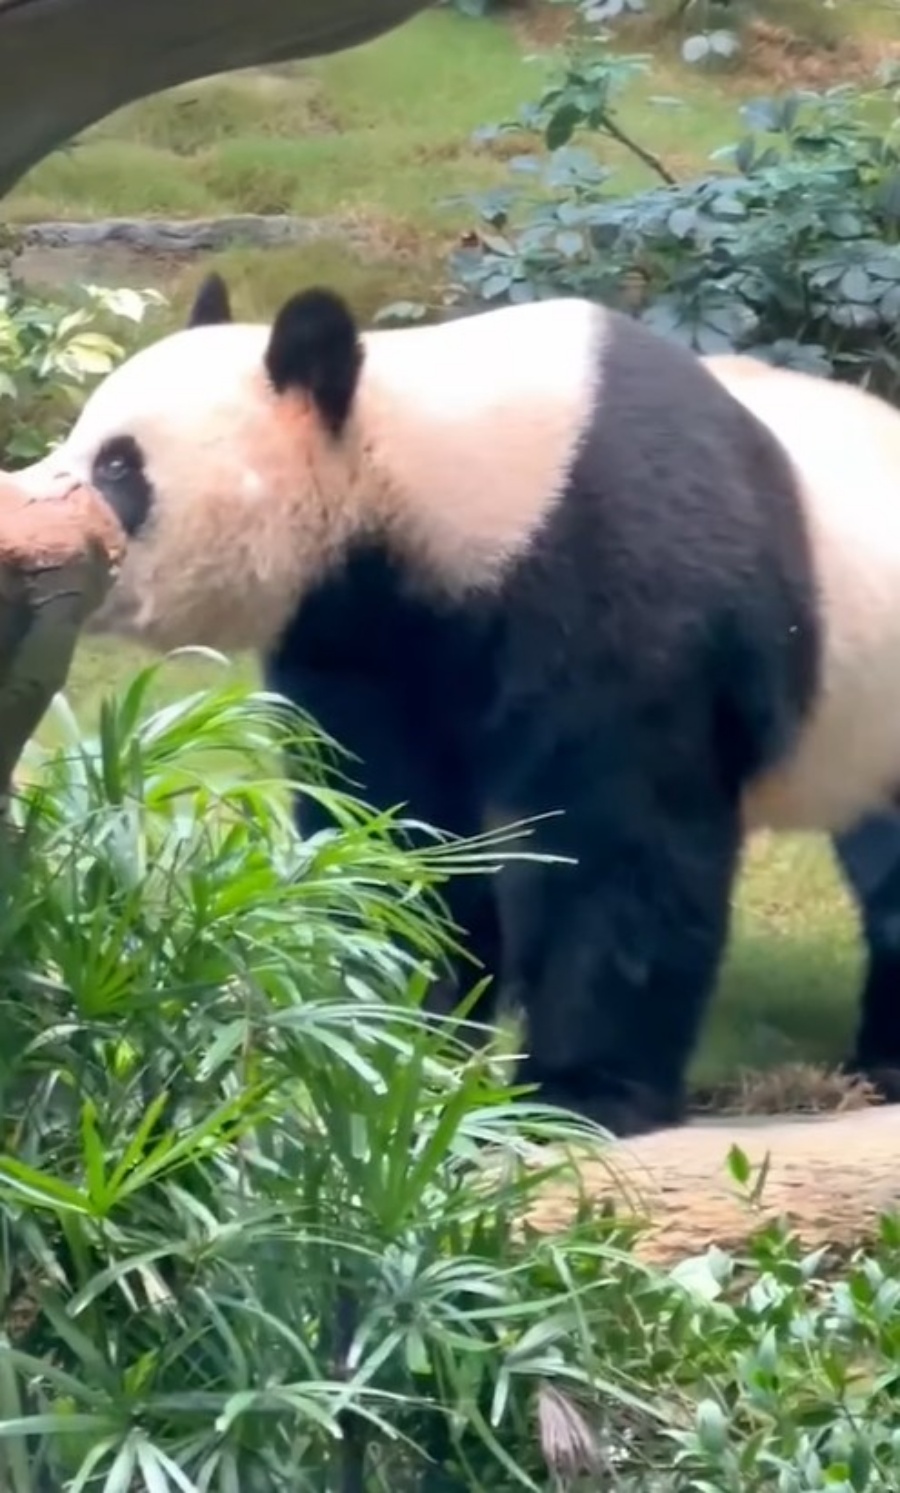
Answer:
[(262, 1220), (712, 29), (792, 1366), (258, 1214), (790, 253), (48, 354)]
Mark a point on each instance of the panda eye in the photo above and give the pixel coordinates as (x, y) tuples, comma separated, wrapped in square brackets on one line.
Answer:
[(116, 464), (118, 473)]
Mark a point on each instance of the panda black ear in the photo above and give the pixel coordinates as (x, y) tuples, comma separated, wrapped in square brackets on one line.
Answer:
[(314, 345), (212, 303)]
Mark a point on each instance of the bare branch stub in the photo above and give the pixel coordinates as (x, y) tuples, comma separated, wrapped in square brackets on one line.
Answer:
[(58, 557)]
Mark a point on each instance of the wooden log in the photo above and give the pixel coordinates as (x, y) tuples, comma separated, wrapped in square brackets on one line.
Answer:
[(58, 557), (829, 1178)]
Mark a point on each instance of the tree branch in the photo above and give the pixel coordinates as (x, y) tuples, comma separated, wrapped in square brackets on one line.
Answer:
[(641, 151), (64, 64)]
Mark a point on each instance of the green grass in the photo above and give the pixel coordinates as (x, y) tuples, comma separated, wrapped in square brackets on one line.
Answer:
[(373, 140), (788, 991)]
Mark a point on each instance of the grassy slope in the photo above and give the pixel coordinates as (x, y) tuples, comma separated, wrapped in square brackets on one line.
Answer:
[(374, 139)]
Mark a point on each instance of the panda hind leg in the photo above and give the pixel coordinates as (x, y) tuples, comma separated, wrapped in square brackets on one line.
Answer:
[(615, 959), (869, 857)]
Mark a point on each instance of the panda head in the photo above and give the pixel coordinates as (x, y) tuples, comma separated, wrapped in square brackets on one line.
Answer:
[(222, 440)]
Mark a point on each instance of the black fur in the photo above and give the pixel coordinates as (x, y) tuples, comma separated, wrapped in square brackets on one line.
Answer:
[(315, 346), (352, 684), (212, 303), (869, 856), (119, 476), (658, 646)]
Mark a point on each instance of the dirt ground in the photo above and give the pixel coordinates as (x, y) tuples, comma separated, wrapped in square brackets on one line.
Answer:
[(45, 268), (830, 1176)]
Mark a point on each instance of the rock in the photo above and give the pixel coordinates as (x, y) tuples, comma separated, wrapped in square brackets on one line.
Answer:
[(180, 236)]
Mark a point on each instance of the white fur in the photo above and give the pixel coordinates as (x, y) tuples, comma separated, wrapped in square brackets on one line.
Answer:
[(845, 445), (460, 442), (475, 425)]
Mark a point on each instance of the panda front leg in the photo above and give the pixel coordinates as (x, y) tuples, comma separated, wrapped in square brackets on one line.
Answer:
[(398, 763), (869, 856), (615, 959)]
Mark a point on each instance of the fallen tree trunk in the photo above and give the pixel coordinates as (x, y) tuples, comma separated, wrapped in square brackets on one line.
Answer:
[(64, 64), (57, 560)]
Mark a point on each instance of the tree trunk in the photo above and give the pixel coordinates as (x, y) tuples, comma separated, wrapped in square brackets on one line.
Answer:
[(57, 560), (64, 64)]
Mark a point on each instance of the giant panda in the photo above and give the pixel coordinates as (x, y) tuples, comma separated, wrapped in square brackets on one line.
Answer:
[(534, 562)]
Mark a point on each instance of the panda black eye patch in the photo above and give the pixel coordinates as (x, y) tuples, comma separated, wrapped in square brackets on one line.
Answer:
[(118, 474)]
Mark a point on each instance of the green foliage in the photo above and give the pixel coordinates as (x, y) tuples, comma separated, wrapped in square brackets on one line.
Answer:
[(795, 1379), (257, 1212), (710, 46), (262, 1219), (48, 355), (712, 29), (788, 250)]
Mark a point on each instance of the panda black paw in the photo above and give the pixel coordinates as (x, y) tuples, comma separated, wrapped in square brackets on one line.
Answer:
[(626, 1110)]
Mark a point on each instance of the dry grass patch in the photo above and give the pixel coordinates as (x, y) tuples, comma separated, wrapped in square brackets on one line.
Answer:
[(783, 59), (540, 26), (791, 1088), (787, 44)]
